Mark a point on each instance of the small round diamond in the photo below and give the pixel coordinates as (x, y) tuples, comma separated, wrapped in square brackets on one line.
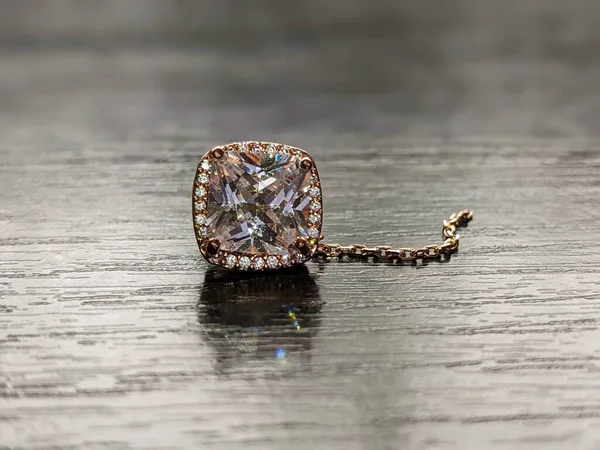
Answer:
[(313, 232), (313, 218), (203, 231), (314, 191), (203, 178), (259, 263), (245, 263), (199, 205), (315, 205), (200, 219), (200, 191), (205, 165), (272, 150), (285, 260), (230, 261), (243, 146), (272, 262)]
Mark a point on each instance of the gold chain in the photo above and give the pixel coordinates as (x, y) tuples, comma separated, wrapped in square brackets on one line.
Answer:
[(449, 246)]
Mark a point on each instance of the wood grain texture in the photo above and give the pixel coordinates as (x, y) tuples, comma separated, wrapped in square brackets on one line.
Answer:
[(114, 333)]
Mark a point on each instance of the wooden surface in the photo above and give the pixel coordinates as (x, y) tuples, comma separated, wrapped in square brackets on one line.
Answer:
[(114, 334)]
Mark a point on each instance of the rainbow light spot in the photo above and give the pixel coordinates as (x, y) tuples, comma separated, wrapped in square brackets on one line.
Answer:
[(280, 353)]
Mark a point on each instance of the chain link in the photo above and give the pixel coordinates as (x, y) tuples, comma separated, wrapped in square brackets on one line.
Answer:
[(449, 246)]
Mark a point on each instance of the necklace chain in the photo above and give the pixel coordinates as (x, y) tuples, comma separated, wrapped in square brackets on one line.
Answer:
[(449, 246)]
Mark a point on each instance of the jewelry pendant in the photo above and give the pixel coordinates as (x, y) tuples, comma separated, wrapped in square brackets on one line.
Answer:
[(259, 206)]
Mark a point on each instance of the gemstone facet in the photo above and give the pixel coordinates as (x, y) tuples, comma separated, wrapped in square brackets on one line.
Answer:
[(259, 201)]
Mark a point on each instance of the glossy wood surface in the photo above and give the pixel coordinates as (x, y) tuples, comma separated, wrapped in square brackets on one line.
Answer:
[(114, 333)]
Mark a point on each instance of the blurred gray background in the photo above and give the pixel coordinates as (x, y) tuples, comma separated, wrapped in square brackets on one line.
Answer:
[(386, 67)]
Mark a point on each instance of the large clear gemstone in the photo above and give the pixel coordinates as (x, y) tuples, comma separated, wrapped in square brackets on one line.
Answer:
[(259, 201)]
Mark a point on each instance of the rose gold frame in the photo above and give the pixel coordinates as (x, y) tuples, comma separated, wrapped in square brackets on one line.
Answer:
[(303, 248)]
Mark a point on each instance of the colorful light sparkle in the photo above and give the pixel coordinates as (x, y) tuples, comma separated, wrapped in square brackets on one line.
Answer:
[(280, 353)]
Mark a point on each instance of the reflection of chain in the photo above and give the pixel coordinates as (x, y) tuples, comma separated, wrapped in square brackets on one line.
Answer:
[(449, 246), (280, 353), (292, 315)]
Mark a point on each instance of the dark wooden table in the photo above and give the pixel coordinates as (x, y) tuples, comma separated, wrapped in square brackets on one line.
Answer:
[(115, 334)]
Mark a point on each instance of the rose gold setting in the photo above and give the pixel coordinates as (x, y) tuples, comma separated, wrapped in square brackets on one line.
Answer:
[(304, 247), (217, 153), (306, 163), (210, 247), (254, 262)]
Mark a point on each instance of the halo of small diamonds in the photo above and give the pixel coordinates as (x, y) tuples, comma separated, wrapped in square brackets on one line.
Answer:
[(308, 209), (200, 197)]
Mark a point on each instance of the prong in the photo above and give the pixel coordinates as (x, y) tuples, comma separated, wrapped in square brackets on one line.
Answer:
[(210, 247), (306, 163), (217, 153), (303, 246)]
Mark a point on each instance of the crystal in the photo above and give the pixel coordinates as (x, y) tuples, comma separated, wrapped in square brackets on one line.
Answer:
[(205, 165), (203, 178), (313, 232), (272, 262), (259, 263), (200, 219), (199, 205), (258, 204), (230, 261), (314, 191), (315, 205), (245, 262), (200, 191)]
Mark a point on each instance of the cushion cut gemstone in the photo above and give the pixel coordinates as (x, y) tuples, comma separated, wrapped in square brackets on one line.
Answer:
[(259, 200)]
